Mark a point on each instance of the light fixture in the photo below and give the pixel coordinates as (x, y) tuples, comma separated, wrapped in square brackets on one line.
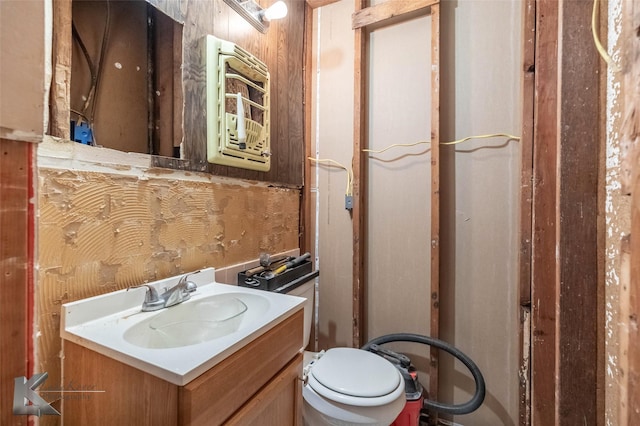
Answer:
[(253, 13)]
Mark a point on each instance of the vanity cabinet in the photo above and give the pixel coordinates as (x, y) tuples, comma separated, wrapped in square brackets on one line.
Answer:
[(258, 384)]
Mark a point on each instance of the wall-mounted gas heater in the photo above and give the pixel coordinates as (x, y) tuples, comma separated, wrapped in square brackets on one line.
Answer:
[(237, 106)]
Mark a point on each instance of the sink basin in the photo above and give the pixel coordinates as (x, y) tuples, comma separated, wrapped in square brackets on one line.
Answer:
[(206, 319), (179, 343)]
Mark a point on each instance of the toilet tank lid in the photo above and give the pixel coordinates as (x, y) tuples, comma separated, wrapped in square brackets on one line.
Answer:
[(355, 372)]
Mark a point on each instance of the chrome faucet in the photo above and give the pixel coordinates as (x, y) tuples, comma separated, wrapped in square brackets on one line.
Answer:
[(177, 294)]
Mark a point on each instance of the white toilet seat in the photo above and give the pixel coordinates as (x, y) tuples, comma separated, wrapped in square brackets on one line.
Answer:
[(355, 377)]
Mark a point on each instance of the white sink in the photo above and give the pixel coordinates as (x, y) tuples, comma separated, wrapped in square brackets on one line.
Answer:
[(192, 323), (178, 343)]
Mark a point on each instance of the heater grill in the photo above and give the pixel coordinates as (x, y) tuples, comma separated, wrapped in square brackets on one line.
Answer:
[(233, 76)]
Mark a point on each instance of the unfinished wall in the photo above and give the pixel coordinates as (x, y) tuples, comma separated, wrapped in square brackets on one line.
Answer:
[(480, 191), (108, 220), (480, 93), (333, 138), (120, 103), (617, 212), (22, 74), (100, 231)]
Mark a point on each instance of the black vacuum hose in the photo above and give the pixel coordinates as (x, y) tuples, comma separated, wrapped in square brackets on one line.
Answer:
[(478, 396)]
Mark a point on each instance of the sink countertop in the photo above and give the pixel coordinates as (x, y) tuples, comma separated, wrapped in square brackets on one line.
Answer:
[(99, 323)]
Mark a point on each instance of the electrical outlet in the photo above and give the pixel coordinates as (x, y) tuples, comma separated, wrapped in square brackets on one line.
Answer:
[(348, 202)]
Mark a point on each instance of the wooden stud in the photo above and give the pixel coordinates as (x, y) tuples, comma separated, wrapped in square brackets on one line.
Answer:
[(565, 243), (383, 12), (435, 196), (60, 124), (526, 195), (178, 90), (623, 343), (543, 291), (319, 3), (633, 356), (375, 15), (306, 227), (577, 219), (359, 221), (630, 179)]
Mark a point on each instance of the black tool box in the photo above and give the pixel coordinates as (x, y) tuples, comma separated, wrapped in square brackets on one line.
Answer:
[(281, 283)]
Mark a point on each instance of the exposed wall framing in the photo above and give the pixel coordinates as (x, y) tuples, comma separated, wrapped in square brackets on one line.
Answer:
[(359, 216), (526, 198), (630, 142), (16, 269), (366, 19), (564, 268)]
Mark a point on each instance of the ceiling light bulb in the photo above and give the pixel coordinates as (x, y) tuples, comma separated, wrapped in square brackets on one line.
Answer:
[(277, 10)]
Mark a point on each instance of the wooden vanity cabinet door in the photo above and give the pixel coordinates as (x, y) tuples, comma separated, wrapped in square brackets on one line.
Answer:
[(218, 394), (279, 403)]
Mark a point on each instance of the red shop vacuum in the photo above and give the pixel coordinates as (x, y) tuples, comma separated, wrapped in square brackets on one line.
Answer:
[(418, 405)]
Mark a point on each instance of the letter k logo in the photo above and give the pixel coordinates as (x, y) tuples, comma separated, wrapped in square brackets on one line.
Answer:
[(23, 391)]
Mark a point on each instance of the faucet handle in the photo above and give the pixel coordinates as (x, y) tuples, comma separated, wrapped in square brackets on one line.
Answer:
[(190, 286), (151, 299)]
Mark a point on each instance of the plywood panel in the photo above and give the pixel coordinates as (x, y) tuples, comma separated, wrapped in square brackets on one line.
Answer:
[(101, 232)]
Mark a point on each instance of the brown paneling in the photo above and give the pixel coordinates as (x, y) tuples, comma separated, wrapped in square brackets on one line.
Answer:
[(16, 268), (166, 33), (282, 50)]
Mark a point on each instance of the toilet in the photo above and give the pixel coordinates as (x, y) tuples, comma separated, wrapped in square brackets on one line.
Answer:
[(347, 386)]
